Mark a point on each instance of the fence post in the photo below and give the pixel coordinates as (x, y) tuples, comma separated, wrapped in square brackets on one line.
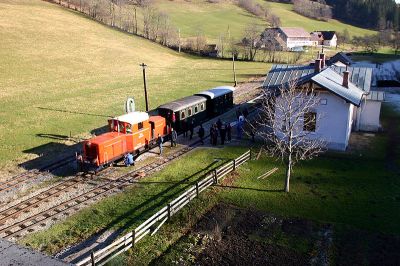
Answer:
[(250, 155), (133, 238), (216, 175), (92, 258), (197, 189), (234, 164), (169, 210)]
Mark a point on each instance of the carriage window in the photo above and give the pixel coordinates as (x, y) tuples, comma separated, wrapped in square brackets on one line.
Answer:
[(183, 114), (202, 106), (189, 111), (140, 125), (196, 109)]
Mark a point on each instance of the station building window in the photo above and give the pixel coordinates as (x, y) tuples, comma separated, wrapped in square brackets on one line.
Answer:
[(310, 121)]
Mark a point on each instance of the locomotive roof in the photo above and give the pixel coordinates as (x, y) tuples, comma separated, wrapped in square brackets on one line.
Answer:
[(217, 91), (183, 103), (132, 117)]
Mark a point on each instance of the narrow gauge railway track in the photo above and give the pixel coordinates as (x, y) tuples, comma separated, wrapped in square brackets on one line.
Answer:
[(15, 230), (22, 178)]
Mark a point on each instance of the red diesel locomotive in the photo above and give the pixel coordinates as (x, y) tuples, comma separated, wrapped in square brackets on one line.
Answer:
[(129, 133)]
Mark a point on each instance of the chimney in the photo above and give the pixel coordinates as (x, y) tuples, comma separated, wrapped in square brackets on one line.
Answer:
[(317, 65), (346, 74), (322, 57)]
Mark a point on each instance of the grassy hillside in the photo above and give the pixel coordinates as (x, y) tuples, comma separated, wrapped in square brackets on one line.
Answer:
[(62, 72), (214, 19)]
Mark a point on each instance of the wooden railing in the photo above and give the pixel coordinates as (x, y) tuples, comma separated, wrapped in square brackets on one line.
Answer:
[(102, 256)]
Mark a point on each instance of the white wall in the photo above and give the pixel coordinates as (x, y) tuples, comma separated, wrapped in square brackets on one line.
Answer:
[(335, 121), (369, 117), (335, 124), (297, 42)]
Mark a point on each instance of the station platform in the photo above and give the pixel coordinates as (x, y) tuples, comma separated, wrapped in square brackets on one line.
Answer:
[(13, 254)]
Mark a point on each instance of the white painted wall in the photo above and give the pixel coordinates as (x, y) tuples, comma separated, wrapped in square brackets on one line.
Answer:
[(298, 42), (369, 117), (331, 43), (335, 121)]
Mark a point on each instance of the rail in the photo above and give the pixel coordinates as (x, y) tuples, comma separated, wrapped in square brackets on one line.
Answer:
[(102, 256)]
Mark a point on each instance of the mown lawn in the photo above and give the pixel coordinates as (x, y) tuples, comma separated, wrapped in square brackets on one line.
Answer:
[(62, 73), (358, 189)]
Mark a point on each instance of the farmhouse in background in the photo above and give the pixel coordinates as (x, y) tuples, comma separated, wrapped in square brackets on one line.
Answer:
[(346, 100), (287, 38), (326, 38)]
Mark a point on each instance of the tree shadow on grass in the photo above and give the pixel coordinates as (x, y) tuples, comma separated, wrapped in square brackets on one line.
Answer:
[(151, 206)]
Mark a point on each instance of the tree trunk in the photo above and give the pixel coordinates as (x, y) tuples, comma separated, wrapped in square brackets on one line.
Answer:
[(288, 172)]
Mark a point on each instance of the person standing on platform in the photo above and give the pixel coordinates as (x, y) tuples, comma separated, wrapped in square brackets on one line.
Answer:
[(201, 134), (229, 131), (160, 141), (184, 128), (191, 128), (222, 133), (174, 137)]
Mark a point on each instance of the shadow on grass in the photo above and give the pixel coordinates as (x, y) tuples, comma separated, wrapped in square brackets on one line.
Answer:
[(151, 205), (72, 112), (250, 188)]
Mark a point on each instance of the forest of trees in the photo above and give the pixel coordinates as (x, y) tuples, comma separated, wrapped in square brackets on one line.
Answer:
[(313, 9), (375, 14)]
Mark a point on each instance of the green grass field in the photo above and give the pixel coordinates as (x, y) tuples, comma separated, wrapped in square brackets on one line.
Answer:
[(54, 60), (214, 19)]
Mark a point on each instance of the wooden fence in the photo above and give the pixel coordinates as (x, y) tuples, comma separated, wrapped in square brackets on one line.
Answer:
[(151, 225)]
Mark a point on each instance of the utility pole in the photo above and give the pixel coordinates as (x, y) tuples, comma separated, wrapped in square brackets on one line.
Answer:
[(135, 22), (144, 83), (234, 69)]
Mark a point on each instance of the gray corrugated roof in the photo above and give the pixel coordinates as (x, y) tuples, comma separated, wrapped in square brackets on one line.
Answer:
[(183, 103), (360, 76), (331, 80), (282, 74), (217, 91), (341, 57)]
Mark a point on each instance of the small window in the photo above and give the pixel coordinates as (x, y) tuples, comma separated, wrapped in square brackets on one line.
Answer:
[(128, 128), (284, 126), (310, 121), (140, 125), (196, 109), (189, 111), (202, 106), (183, 114)]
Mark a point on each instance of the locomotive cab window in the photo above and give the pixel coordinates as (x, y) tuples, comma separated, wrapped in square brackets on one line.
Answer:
[(128, 128), (140, 125)]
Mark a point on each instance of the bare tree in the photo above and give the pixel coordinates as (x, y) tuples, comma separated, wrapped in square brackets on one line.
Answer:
[(286, 121), (251, 40)]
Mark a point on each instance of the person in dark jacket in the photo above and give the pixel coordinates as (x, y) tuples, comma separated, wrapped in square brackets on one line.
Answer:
[(222, 133), (160, 141), (191, 128), (174, 137), (201, 134), (215, 135), (229, 131), (184, 128), (245, 112)]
